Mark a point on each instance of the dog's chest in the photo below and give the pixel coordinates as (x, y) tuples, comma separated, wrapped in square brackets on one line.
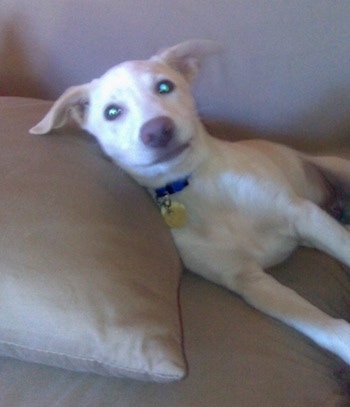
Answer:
[(228, 231)]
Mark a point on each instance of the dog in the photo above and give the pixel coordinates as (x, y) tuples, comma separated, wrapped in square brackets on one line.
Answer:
[(234, 208)]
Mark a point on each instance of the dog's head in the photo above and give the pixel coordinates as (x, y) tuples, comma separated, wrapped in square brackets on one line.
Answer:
[(142, 113)]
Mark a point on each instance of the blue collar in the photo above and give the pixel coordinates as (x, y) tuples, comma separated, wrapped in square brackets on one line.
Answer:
[(172, 187)]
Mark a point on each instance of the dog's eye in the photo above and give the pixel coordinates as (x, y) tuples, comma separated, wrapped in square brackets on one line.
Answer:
[(112, 112), (164, 87)]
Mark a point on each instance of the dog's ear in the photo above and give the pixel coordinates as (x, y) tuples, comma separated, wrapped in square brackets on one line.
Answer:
[(188, 56), (72, 103)]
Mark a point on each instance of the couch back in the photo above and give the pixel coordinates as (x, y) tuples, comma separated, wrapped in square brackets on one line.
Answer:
[(286, 67)]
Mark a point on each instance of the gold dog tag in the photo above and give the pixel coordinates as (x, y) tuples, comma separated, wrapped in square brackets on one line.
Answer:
[(174, 214)]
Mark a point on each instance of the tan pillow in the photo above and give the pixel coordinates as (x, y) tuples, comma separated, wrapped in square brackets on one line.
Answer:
[(89, 274)]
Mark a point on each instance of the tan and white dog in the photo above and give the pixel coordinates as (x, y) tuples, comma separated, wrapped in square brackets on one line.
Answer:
[(235, 207)]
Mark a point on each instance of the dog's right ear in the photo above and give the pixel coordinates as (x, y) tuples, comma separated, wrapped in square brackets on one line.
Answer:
[(187, 57), (73, 103)]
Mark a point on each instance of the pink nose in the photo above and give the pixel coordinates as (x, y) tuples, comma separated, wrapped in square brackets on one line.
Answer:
[(157, 132)]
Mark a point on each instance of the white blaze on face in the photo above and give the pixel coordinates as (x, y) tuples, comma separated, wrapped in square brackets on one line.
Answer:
[(127, 97)]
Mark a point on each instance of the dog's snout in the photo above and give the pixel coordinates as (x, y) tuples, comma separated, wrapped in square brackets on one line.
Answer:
[(157, 132)]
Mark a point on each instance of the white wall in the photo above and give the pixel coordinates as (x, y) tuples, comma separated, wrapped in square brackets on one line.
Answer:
[(286, 67)]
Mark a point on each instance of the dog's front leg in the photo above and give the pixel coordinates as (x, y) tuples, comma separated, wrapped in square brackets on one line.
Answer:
[(269, 296)]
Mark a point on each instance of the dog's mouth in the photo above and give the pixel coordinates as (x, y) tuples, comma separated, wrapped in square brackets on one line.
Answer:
[(171, 155)]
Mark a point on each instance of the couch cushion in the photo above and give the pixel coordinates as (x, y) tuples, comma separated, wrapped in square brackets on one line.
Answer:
[(89, 274)]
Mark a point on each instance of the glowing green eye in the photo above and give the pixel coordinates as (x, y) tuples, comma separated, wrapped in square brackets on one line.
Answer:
[(112, 112), (165, 87)]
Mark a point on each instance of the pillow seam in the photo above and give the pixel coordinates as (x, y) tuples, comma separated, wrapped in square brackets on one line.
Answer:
[(121, 368)]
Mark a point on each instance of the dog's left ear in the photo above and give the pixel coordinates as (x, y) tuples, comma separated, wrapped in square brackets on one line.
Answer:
[(188, 56), (72, 103)]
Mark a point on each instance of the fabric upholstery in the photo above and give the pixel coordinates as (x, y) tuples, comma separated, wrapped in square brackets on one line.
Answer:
[(83, 284)]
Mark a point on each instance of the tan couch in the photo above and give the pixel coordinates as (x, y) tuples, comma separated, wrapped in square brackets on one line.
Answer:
[(92, 310)]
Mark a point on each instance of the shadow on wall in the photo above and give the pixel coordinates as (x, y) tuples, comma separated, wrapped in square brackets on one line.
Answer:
[(323, 127), (329, 118), (320, 125), (17, 76)]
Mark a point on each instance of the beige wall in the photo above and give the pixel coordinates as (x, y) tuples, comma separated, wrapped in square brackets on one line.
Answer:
[(286, 68)]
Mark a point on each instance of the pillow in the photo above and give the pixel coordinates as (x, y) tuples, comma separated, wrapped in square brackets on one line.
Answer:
[(89, 274)]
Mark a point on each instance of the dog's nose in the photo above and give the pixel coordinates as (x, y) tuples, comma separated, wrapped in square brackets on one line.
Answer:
[(157, 132)]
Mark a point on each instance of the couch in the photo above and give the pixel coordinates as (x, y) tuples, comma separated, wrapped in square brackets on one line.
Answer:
[(96, 307)]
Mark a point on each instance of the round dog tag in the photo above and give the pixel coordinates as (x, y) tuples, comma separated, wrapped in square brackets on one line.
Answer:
[(175, 215)]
